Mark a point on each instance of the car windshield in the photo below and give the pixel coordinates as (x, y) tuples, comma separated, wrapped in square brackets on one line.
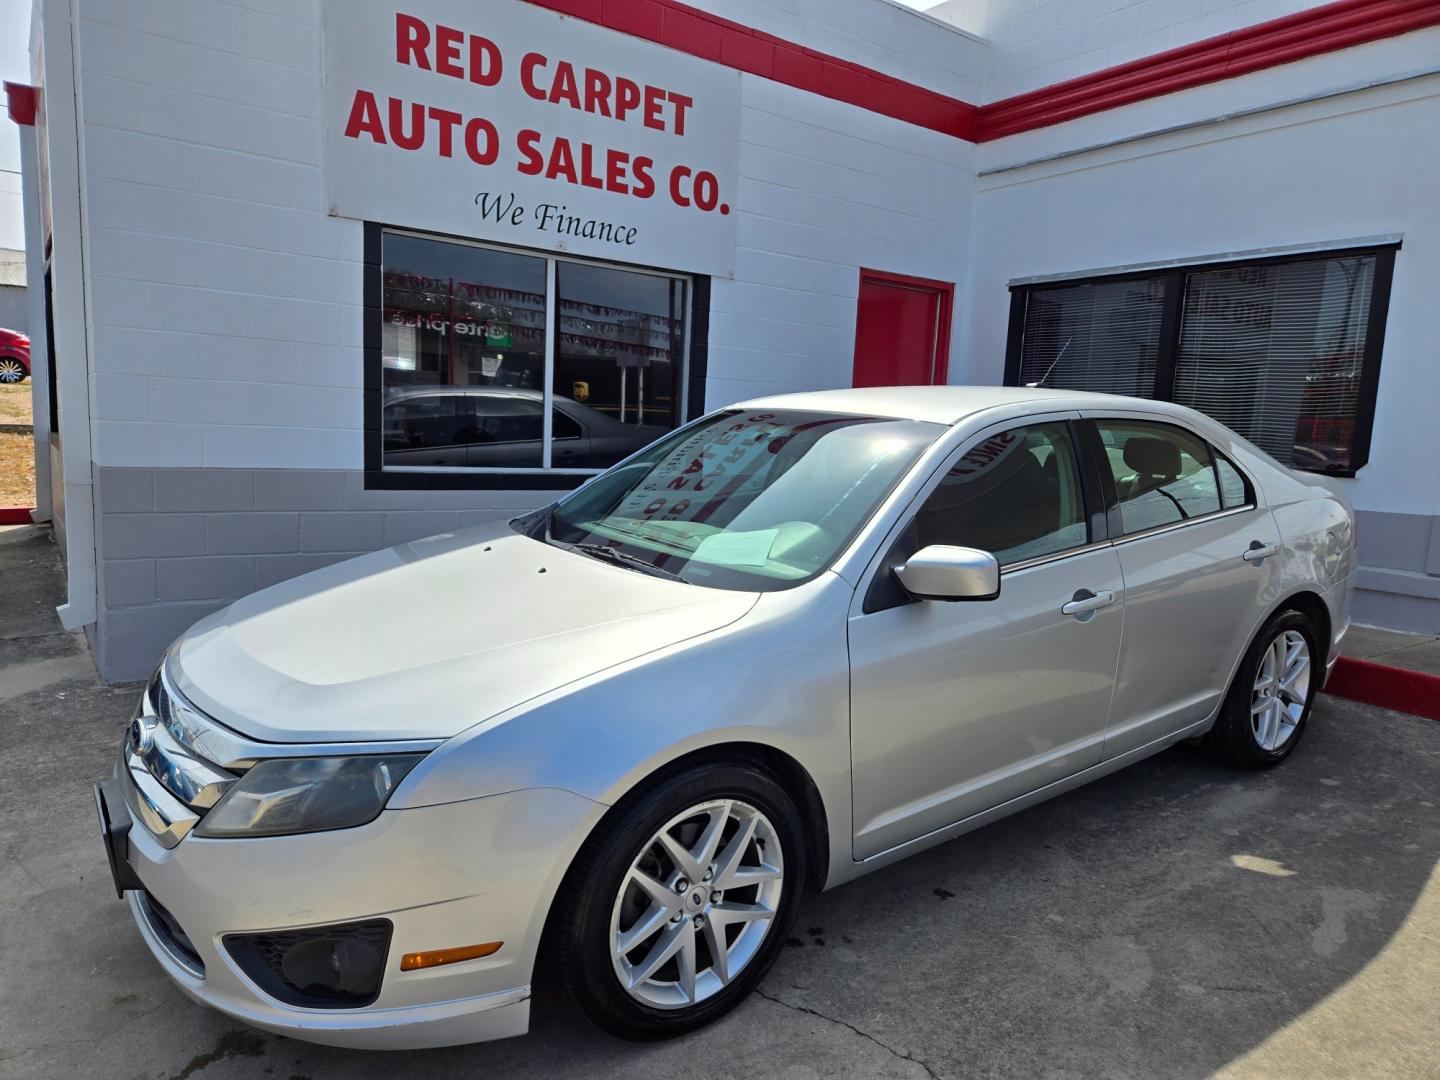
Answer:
[(748, 499)]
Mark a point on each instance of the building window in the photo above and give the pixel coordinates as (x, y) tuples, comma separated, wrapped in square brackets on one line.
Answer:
[(490, 363), (1284, 351)]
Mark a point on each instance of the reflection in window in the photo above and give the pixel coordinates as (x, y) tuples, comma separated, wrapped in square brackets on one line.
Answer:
[(1163, 474), (464, 359), (1016, 495), (618, 355)]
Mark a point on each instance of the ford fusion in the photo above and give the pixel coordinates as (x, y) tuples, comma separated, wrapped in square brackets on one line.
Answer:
[(781, 647)]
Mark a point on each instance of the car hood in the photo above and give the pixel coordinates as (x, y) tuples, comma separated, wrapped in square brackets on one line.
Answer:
[(428, 638)]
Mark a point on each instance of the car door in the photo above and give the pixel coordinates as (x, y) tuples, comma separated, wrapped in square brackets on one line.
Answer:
[(958, 707), (1198, 557)]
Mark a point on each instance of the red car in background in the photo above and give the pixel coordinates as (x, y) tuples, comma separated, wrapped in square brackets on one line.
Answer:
[(14, 356)]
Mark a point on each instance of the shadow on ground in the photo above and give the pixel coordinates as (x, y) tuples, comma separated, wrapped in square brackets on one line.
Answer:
[(1174, 920)]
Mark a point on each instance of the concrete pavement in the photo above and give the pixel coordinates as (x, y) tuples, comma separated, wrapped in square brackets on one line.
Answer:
[(1174, 920)]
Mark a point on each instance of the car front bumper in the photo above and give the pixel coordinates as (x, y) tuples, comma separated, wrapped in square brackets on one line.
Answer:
[(445, 876)]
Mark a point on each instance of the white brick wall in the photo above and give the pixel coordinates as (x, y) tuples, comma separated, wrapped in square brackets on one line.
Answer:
[(1040, 42), (226, 303), (879, 34)]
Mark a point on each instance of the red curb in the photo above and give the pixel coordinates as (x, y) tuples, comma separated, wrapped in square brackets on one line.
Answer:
[(1406, 691), (15, 515)]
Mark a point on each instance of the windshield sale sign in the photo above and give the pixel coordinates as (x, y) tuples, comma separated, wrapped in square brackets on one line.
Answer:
[(507, 122)]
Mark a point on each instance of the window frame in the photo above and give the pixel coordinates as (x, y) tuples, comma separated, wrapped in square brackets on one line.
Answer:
[(689, 390), (1168, 347)]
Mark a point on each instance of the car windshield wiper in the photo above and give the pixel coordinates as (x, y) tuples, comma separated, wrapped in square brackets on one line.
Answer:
[(621, 558)]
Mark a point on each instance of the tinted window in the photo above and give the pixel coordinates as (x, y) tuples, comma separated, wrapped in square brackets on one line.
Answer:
[(1234, 490), (1163, 474), (1016, 495), (562, 427)]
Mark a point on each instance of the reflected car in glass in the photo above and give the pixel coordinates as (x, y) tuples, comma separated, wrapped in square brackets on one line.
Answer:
[(783, 646), (14, 356), (498, 427)]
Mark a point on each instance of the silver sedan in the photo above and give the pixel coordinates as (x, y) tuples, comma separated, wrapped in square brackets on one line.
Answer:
[(786, 645)]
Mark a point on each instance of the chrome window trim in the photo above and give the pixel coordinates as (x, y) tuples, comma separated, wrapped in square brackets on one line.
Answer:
[(1214, 515), (1054, 556)]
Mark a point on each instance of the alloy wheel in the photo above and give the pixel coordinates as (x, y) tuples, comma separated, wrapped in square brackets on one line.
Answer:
[(1282, 689), (696, 904), (11, 371)]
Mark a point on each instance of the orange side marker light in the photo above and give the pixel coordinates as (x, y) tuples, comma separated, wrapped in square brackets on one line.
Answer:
[(414, 961)]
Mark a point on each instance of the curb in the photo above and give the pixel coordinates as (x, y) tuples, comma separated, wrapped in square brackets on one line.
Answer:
[(15, 515), (1413, 692)]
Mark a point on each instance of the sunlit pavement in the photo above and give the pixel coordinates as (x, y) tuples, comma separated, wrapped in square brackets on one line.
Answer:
[(1175, 920)]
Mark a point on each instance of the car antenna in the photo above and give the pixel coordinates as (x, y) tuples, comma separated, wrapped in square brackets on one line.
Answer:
[(1034, 385)]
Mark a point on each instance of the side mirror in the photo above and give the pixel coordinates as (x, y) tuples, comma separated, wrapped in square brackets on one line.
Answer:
[(939, 572)]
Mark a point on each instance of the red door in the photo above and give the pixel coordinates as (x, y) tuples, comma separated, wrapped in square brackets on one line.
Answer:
[(902, 330)]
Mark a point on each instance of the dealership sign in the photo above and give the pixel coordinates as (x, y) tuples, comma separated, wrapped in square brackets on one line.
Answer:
[(507, 122)]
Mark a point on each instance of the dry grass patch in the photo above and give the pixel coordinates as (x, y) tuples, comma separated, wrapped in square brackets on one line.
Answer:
[(15, 403), (17, 470)]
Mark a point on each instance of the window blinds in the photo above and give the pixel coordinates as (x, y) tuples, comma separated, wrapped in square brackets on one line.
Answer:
[(1101, 335), (1275, 351)]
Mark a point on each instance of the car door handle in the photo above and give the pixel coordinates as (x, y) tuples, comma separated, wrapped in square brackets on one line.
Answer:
[(1084, 604), (1257, 551)]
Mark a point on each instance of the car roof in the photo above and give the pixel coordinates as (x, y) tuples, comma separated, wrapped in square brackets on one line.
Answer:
[(467, 389), (944, 404)]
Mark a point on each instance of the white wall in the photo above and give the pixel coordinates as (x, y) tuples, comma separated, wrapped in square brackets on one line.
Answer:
[(226, 303), (1039, 42), (12, 213)]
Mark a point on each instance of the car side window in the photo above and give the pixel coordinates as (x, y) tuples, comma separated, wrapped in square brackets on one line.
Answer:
[(1234, 488), (563, 427), (1163, 474), (429, 421), (509, 419), (1016, 495)]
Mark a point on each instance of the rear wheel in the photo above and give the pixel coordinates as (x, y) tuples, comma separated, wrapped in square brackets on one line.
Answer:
[(680, 903), (1269, 703), (11, 370)]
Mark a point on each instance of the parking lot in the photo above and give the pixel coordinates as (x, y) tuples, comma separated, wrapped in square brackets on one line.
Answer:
[(1175, 920)]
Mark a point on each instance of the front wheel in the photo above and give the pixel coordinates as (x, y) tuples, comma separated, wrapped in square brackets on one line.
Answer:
[(679, 904), (1269, 703), (11, 370)]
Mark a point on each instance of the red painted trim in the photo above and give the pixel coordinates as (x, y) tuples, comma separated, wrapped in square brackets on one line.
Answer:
[(15, 515), (710, 37), (1240, 52), (1406, 691), (20, 99), (946, 290), (1304, 34)]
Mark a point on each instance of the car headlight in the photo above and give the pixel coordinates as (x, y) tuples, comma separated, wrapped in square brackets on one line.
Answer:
[(301, 795)]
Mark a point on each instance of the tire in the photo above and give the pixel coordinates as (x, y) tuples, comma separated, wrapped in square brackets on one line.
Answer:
[(1243, 734), (12, 372), (604, 900)]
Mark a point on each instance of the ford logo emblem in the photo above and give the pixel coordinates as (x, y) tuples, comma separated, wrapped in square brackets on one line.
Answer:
[(141, 735)]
